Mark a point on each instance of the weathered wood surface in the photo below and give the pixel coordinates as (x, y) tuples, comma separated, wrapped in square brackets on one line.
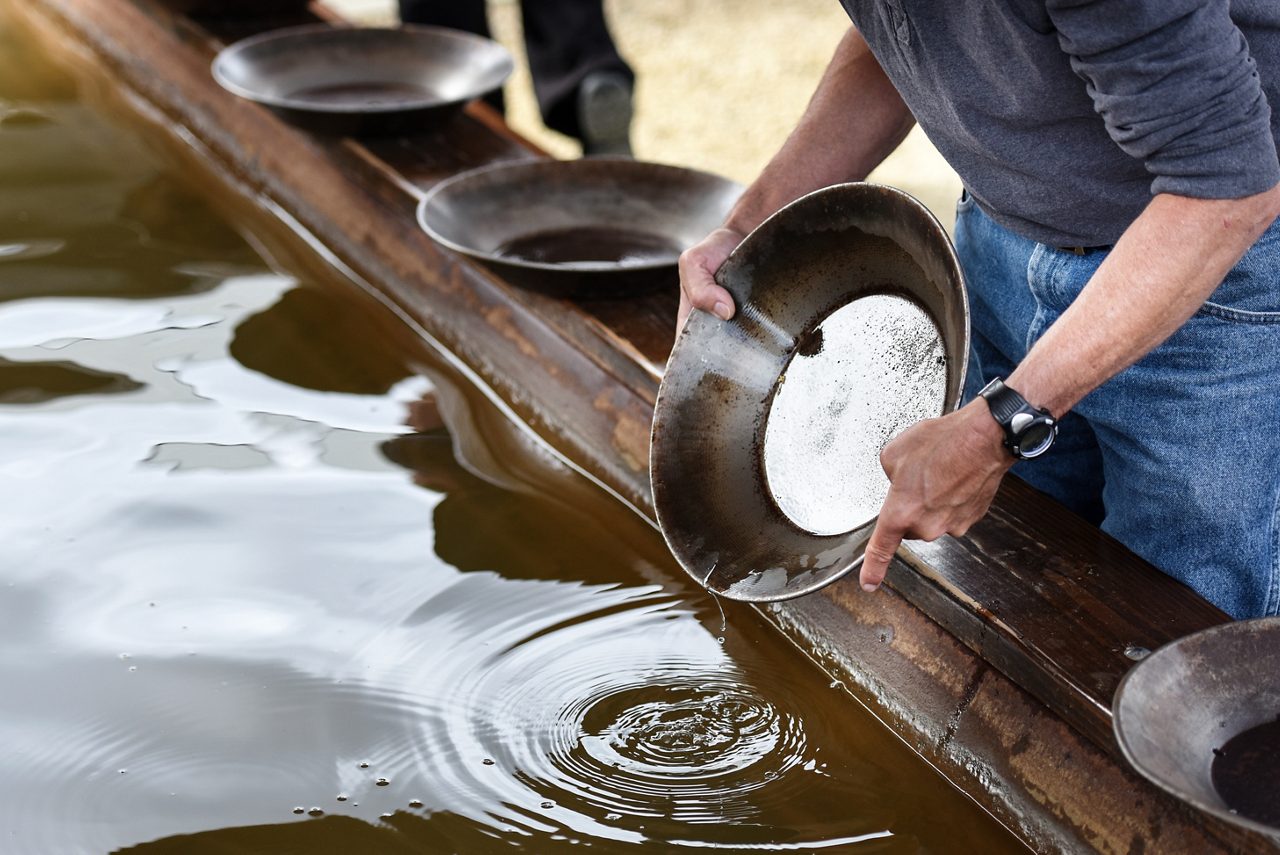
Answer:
[(1046, 599)]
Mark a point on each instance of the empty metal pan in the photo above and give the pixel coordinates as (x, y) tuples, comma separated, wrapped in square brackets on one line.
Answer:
[(852, 324), (1200, 718), (595, 227), (363, 81)]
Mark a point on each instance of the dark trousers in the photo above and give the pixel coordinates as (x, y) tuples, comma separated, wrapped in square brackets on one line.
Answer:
[(565, 40)]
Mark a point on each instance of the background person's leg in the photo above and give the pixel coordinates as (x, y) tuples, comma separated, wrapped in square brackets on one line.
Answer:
[(466, 15), (583, 85)]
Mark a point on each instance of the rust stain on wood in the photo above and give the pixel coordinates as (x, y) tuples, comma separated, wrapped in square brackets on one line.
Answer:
[(630, 436)]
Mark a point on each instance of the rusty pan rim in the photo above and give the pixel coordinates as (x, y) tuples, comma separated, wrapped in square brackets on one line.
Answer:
[(503, 67)]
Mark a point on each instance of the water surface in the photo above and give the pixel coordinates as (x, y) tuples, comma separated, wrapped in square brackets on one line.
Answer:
[(273, 580)]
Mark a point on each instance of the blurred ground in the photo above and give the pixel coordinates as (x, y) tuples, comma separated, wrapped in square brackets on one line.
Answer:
[(719, 84)]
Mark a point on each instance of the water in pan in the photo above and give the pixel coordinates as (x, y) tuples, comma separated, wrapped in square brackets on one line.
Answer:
[(592, 246), (1246, 773), (256, 598), (373, 94)]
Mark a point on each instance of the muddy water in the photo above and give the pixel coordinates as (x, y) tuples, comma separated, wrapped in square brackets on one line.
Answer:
[(1246, 773), (272, 580), (626, 247)]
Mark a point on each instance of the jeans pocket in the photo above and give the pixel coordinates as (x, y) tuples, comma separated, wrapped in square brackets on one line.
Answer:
[(1240, 316), (1250, 294)]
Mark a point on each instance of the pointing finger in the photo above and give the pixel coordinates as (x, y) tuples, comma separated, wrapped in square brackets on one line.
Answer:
[(880, 550)]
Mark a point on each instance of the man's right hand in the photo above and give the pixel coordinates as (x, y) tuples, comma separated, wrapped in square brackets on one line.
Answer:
[(698, 266)]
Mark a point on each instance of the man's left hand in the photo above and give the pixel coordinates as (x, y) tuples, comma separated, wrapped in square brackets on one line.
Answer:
[(943, 474)]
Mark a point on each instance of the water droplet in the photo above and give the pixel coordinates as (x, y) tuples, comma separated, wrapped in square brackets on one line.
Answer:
[(124, 771), (342, 797), (385, 815), (837, 684), (415, 803), (720, 639), (299, 810), (613, 817), (315, 811), (548, 805), (1136, 653), (486, 761), (363, 764), (769, 776), (382, 782)]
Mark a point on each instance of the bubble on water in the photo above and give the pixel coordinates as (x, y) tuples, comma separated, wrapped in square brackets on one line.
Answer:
[(613, 817), (382, 782), (548, 805), (720, 639), (133, 667), (386, 815), (363, 764), (487, 761), (342, 797), (415, 803), (299, 810), (125, 656), (315, 811), (124, 771)]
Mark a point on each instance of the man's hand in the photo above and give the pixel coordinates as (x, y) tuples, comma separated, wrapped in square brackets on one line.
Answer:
[(943, 474), (698, 266)]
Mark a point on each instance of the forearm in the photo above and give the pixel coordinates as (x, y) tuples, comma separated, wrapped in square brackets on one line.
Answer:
[(1163, 268), (854, 120)]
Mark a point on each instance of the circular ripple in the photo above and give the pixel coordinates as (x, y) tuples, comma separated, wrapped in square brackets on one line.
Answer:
[(607, 713), (699, 746)]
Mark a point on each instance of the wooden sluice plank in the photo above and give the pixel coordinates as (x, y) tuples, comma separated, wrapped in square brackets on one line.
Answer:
[(994, 655)]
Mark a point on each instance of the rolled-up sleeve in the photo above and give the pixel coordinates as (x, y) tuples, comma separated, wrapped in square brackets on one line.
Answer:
[(1175, 84)]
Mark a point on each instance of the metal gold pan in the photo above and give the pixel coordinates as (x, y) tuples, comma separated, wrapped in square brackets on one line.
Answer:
[(355, 81), (1180, 706), (594, 227), (852, 323)]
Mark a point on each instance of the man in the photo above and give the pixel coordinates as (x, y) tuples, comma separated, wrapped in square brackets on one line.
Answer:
[(1124, 273), (584, 87)]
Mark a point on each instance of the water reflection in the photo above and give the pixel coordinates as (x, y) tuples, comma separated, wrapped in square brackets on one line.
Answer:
[(38, 382), (263, 553)]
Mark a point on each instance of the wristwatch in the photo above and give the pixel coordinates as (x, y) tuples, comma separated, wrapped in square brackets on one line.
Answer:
[(1028, 431)]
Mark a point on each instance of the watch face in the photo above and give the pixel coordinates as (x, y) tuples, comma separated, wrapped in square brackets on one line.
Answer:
[(1036, 439)]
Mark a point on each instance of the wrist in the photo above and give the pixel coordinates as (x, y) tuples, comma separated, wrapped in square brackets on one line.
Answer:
[(985, 435)]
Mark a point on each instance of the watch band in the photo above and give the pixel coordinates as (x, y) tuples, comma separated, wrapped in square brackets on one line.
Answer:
[(1003, 401), (1028, 431)]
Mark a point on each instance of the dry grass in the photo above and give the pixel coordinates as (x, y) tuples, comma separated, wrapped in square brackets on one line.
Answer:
[(719, 84)]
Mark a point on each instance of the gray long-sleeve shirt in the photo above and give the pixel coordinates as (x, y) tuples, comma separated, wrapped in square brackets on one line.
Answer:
[(1064, 117)]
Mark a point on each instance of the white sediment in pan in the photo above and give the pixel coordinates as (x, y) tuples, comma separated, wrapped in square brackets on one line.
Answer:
[(865, 373)]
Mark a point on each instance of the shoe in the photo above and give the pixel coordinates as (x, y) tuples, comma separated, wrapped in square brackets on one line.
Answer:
[(604, 113)]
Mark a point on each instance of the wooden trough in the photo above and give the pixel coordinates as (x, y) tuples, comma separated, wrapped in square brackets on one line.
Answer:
[(994, 655)]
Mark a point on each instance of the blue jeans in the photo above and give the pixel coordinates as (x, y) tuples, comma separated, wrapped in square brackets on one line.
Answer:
[(1177, 457)]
